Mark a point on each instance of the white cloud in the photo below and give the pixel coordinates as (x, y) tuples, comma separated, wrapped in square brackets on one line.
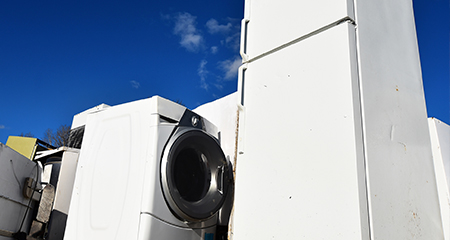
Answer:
[(135, 84), (214, 27), (2, 126), (203, 73), (214, 49), (230, 67), (233, 41), (191, 39)]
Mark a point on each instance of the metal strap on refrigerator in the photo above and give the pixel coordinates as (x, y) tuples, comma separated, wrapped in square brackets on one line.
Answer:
[(340, 21)]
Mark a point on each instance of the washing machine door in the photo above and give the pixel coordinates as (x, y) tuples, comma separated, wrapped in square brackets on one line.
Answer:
[(194, 174)]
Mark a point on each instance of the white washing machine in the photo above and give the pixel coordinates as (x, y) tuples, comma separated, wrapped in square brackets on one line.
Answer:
[(149, 169)]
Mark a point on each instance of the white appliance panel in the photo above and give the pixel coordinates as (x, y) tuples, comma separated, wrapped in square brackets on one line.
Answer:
[(80, 118), (269, 24), (66, 180), (118, 178), (299, 174), (117, 136), (440, 143), (223, 113), (401, 183)]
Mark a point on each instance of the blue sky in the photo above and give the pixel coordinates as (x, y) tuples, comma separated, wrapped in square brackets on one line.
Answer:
[(433, 34), (58, 58)]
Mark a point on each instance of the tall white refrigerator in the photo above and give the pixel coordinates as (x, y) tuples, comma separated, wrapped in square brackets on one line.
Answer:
[(333, 137)]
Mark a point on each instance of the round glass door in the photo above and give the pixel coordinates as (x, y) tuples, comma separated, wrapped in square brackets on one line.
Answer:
[(194, 175)]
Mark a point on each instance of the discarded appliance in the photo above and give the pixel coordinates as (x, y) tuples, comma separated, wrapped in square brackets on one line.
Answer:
[(333, 124), (440, 143), (27, 146), (59, 172), (149, 169), (223, 113), (20, 180), (78, 125)]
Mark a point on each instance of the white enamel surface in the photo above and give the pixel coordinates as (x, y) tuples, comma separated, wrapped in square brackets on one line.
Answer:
[(110, 173), (394, 175), (118, 175), (66, 180), (440, 143), (299, 174), (47, 173), (223, 114), (273, 23), (109, 176), (80, 118), (401, 182)]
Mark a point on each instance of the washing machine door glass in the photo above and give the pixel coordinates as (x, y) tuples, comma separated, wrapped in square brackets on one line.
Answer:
[(194, 175)]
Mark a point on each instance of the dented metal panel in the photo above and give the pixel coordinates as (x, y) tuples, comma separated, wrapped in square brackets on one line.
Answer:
[(402, 192)]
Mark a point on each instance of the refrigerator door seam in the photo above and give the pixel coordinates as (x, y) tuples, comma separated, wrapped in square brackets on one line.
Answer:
[(297, 40)]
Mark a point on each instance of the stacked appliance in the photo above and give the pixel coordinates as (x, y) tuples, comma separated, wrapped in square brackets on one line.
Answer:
[(20, 180), (149, 169), (333, 134), (440, 143)]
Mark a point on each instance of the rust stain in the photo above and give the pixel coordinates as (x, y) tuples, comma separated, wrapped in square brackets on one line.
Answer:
[(236, 144), (396, 88), (404, 145)]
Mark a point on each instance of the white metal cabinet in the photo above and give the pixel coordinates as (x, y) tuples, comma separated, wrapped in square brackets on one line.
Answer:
[(63, 194), (440, 143), (268, 24), (14, 169), (106, 191), (295, 88), (126, 184), (300, 171), (402, 188)]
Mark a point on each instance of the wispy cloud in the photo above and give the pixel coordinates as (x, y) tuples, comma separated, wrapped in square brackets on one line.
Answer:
[(192, 39), (185, 28), (214, 27), (218, 85), (230, 67), (214, 49), (135, 84), (203, 73), (2, 126), (232, 41)]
